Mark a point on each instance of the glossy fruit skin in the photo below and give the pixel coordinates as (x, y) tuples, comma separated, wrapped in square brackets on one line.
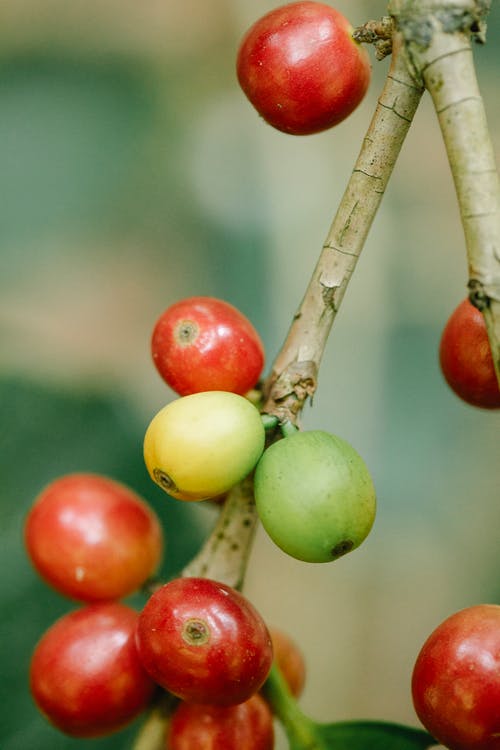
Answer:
[(206, 344), (290, 661), (92, 538), (314, 496), (86, 676), (456, 680), (246, 726), (199, 446), (466, 360), (204, 642), (301, 69)]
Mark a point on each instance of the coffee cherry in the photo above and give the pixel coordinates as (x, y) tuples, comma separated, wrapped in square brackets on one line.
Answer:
[(290, 660), (246, 726), (86, 676), (93, 538), (204, 642), (456, 680), (301, 68), (314, 496), (206, 344), (466, 360), (199, 446)]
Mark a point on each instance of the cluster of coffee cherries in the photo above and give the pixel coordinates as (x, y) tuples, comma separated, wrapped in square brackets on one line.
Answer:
[(96, 541), (102, 664), (303, 71), (313, 492)]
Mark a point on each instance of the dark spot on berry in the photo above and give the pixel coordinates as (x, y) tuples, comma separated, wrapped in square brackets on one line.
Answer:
[(163, 479), (196, 632), (186, 331), (342, 548)]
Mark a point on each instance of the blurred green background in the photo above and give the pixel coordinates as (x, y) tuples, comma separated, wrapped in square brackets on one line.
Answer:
[(133, 172)]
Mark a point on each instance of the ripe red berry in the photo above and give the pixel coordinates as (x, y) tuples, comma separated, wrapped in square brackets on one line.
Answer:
[(301, 68), (206, 344), (456, 680), (204, 642), (86, 676), (246, 726), (466, 360), (290, 660), (92, 538)]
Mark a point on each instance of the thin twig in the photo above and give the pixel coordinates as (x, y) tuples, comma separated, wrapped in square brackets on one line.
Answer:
[(294, 374), (444, 61), (293, 379), (225, 553), (153, 732)]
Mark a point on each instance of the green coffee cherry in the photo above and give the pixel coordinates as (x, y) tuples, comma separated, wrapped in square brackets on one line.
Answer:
[(314, 496)]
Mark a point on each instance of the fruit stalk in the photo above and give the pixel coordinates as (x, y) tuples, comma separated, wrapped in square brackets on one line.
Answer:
[(152, 734), (441, 56), (299, 728), (224, 555), (223, 558), (294, 373)]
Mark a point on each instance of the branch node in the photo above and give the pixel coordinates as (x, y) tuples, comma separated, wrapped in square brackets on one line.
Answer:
[(378, 33), (291, 389), (477, 295), (419, 22)]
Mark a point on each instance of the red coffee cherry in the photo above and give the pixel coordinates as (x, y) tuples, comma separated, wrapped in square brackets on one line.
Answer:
[(246, 726), (92, 538), (456, 680), (290, 660), (86, 676), (466, 360), (301, 68), (204, 642), (206, 344)]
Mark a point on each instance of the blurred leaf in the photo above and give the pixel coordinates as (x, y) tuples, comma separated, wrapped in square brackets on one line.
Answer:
[(304, 733), (372, 735), (70, 135)]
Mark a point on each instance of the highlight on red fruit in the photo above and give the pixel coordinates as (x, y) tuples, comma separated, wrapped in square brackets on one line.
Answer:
[(204, 642), (290, 660), (92, 538), (466, 360), (246, 726), (206, 344), (301, 68), (86, 676), (456, 680)]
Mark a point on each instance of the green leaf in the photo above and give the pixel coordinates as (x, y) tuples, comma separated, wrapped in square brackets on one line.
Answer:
[(303, 733), (367, 735)]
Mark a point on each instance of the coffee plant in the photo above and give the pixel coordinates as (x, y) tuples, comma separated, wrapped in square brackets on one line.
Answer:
[(198, 661)]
